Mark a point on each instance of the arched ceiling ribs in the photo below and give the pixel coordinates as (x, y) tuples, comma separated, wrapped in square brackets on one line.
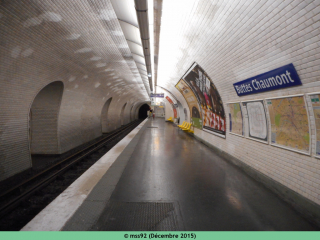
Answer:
[(127, 17), (131, 32), (169, 92), (157, 25), (137, 54), (142, 66), (128, 40), (135, 48), (119, 19), (142, 70), (138, 59), (123, 9)]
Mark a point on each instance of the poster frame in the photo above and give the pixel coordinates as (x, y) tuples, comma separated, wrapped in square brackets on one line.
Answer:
[(315, 127), (243, 129), (188, 103), (172, 105), (288, 148), (190, 69), (214, 133), (267, 120), (198, 100)]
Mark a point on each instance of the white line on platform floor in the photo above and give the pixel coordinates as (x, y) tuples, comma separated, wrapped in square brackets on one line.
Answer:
[(60, 210)]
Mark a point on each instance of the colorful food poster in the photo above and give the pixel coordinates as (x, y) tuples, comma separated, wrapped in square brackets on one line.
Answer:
[(212, 110)]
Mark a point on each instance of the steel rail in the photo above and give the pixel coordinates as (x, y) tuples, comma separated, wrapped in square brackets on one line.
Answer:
[(4, 209)]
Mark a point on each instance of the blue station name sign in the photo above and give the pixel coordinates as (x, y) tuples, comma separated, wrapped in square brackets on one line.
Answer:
[(282, 77), (157, 95)]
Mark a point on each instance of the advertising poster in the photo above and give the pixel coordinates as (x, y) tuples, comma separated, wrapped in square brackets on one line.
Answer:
[(175, 115), (212, 110), (257, 120), (191, 99), (289, 123), (235, 118), (316, 114)]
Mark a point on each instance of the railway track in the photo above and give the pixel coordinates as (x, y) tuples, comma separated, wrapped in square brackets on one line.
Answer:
[(20, 203)]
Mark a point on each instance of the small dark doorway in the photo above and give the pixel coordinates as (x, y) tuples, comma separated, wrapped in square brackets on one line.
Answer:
[(143, 111)]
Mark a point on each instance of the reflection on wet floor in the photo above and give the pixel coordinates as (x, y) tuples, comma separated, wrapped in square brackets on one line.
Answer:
[(210, 194)]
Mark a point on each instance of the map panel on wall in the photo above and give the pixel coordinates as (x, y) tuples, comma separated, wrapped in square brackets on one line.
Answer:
[(235, 118), (191, 99), (257, 120), (289, 123), (316, 113), (213, 114)]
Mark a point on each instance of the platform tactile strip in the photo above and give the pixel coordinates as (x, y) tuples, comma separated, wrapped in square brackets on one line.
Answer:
[(139, 216)]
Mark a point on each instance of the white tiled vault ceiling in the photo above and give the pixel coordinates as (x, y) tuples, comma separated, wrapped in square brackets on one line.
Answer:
[(87, 34)]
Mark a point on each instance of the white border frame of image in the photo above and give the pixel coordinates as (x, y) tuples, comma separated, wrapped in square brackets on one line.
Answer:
[(287, 148), (243, 128), (203, 129), (267, 122), (315, 126)]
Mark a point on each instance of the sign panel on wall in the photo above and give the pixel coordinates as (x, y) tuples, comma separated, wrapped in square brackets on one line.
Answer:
[(235, 118), (282, 77), (316, 114), (157, 95), (257, 120), (191, 99), (212, 110), (289, 123)]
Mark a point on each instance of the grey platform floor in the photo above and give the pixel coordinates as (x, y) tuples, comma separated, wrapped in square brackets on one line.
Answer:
[(167, 180)]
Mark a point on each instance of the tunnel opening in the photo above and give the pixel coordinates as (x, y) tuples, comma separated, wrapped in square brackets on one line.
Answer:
[(43, 123), (143, 111)]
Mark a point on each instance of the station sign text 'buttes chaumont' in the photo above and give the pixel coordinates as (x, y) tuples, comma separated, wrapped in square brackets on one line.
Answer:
[(157, 95), (282, 77)]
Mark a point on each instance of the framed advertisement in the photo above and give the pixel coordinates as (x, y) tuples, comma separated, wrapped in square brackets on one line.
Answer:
[(236, 123), (209, 100), (315, 103), (191, 99), (257, 120)]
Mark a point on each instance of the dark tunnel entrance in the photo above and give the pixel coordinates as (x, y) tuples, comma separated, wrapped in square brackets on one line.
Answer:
[(143, 111)]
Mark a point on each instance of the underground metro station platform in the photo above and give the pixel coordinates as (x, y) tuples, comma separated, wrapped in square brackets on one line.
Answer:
[(160, 178), (199, 115)]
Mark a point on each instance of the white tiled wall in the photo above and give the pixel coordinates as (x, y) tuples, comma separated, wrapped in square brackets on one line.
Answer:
[(235, 40), (69, 41)]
